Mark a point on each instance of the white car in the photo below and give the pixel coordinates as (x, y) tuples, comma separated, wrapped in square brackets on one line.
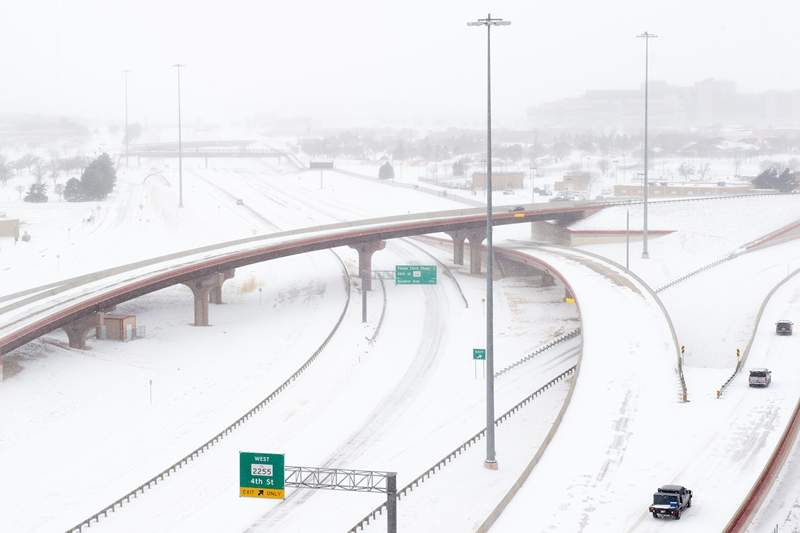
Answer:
[(760, 377)]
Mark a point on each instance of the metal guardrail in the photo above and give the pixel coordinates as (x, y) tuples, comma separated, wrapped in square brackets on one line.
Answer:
[(697, 271), (741, 360), (406, 490), (225, 432), (543, 348)]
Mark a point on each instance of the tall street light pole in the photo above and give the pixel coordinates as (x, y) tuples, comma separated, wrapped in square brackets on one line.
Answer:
[(646, 36), (178, 67), (125, 82), (491, 460)]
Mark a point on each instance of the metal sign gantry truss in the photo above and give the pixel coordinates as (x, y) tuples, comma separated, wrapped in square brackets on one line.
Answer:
[(348, 480)]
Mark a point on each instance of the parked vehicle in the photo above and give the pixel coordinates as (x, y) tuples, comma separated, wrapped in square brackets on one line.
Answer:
[(671, 500), (760, 377), (783, 327)]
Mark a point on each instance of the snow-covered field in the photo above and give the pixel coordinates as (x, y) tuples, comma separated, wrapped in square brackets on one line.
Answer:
[(404, 400)]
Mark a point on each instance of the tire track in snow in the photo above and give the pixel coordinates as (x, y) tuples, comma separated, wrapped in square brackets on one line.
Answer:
[(388, 410)]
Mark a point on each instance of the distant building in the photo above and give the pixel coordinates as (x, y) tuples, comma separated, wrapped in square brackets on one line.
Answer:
[(500, 180), (579, 182), (117, 327), (704, 104), (9, 227), (386, 171)]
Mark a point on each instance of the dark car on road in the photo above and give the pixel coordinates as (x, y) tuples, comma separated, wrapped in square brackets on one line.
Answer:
[(671, 500), (783, 327)]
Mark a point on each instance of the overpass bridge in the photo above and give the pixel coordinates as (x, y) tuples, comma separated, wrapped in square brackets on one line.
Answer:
[(75, 304)]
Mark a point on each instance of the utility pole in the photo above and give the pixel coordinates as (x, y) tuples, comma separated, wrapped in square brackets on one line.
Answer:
[(491, 459), (646, 36), (178, 67), (533, 173), (125, 79), (628, 240)]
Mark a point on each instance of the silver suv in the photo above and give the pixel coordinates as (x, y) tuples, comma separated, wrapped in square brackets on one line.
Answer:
[(760, 377)]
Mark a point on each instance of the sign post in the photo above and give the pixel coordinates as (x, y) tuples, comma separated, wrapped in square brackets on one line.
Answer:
[(415, 275), (261, 475), (478, 354), (321, 165)]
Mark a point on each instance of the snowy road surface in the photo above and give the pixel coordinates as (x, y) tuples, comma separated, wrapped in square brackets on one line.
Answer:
[(613, 441)]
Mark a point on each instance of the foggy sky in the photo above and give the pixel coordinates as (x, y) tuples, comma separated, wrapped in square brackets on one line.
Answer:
[(373, 62)]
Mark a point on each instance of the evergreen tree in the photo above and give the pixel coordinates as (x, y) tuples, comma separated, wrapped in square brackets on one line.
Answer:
[(99, 178), (73, 192), (36, 193)]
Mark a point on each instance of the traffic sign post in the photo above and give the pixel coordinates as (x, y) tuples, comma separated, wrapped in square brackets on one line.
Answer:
[(261, 475), (478, 354), (415, 274)]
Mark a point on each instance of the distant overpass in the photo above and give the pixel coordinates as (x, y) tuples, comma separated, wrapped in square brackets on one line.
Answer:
[(205, 150)]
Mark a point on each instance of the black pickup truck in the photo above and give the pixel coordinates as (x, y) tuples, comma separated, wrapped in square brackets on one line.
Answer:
[(783, 327), (671, 500)]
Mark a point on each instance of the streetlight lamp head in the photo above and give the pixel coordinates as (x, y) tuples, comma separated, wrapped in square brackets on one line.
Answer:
[(647, 35), (489, 21)]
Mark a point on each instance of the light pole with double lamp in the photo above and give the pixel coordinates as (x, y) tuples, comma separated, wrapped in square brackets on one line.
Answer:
[(178, 67), (491, 460), (646, 36), (125, 83)]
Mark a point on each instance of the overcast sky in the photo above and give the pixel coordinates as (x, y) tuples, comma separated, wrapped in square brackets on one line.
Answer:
[(351, 62)]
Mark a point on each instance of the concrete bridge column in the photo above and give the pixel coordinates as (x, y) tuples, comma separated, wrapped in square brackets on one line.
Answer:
[(215, 296), (201, 288), (78, 330), (458, 246), (365, 251), (475, 238)]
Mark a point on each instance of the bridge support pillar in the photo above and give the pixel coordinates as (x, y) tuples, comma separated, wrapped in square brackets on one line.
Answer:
[(365, 251), (201, 288), (458, 246), (475, 238), (78, 330), (215, 296)]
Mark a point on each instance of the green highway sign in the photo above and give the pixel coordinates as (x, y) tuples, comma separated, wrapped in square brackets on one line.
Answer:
[(479, 354), (415, 275), (261, 475)]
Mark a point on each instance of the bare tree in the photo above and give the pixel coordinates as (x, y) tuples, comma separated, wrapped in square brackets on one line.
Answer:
[(20, 189), (703, 170), (39, 170), (5, 171)]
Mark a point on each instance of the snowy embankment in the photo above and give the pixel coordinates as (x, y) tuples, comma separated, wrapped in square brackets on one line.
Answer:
[(398, 404), (612, 441)]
